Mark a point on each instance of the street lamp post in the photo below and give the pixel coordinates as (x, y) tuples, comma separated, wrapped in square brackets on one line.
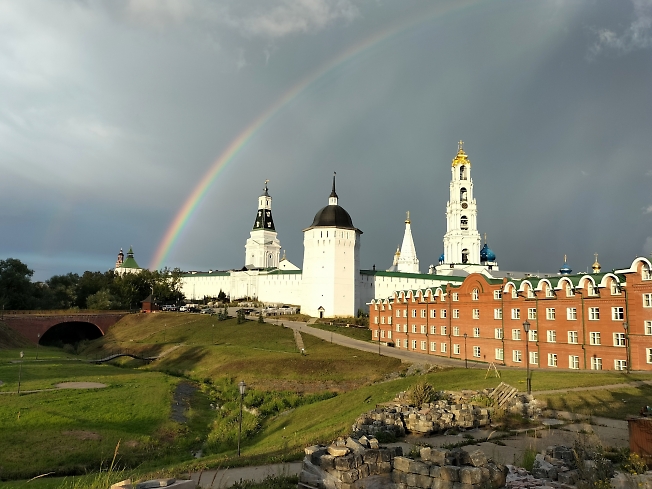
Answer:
[(213, 335), (243, 388), (38, 339), (466, 360), (526, 327), (20, 370), (626, 328)]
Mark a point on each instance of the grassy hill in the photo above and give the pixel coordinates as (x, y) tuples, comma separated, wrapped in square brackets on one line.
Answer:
[(9, 338), (188, 400)]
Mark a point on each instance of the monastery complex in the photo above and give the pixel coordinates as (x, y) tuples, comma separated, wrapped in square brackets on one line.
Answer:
[(465, 307)]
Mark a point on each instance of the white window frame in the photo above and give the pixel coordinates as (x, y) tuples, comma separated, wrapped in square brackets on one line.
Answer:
[(573, 362), (647, 325), (414, 313), (498, 313), (594, 313), (456, 331), (456, 313), (456, 296), (423, 313), (572, 337), (551, 336), (498, 294), (499, 354), (620, 364), (620, 339), (550, 313), (423, 345), (534, 358), (476, 313), (433, 346), (571, 313), (414, 344), (476, 351), (533, 335), (475, 295), (552, 359), (456, 349), (517, 356), (648, 355), (516, 313), (516, 334), (444, 330), (442, 314), (476, 332), (532, 313), (433, 329), (498, 333), (617, 313), (615, 289), (443, 347), (433, 313), (398, 328), (596, 363), (550, 293), (423, 329), (595, 338), (647, 300)]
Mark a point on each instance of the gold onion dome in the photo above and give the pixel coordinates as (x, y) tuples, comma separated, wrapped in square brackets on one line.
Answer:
[(461, 158), (596, 266)]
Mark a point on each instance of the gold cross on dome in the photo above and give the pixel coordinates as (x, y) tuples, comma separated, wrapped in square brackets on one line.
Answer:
[(460, 145)]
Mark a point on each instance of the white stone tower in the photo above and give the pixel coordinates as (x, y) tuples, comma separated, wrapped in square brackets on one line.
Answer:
[(331, 263), (407, 260), (462, 239), (263, 249)]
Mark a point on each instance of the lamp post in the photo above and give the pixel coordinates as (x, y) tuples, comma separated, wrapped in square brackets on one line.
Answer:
[(38, 339), (243, 389), (466, 361), (626, 328), (526, 327), (20, 370), (213, 335)]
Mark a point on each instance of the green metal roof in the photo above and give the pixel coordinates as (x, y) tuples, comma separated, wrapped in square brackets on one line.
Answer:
[(424, 276)]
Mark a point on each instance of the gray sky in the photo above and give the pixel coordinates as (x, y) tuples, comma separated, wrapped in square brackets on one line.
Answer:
[(111, 113)]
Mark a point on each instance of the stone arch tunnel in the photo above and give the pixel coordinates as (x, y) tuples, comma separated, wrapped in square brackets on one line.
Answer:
[(68, 328)]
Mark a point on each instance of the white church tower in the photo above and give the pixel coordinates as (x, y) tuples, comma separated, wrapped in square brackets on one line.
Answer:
[(407, 258), (331, 263), (263, 249), (462, 239)]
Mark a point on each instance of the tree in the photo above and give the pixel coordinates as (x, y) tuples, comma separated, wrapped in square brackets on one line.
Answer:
[(260, 318), (101, 300), (16, 288)]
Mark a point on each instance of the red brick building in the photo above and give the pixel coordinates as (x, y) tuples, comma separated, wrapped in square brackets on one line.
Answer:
[(598, 321)]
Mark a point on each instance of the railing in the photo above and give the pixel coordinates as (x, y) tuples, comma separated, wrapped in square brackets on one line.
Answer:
[(61, 312), (113, 354)]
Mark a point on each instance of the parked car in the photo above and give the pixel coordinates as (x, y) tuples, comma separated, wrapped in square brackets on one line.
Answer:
[(208, 310)]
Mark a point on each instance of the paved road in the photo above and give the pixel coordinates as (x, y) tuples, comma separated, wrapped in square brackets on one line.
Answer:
[(403, 355), (221, 478)]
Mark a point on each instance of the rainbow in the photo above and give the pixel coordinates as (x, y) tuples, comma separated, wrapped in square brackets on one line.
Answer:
[(199, 192)]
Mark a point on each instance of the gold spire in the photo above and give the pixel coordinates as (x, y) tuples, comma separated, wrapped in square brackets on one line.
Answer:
[(565, 260), (407, 219), (398, 251), (485, 238), (596, 266), (461, 158)]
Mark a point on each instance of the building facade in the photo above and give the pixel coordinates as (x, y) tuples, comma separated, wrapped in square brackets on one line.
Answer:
[(598, 321)]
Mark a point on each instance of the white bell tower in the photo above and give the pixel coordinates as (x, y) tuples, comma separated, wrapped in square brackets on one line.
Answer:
[(462, 239), (263, 249)]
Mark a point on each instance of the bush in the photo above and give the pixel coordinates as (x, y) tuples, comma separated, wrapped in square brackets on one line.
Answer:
[(421, 392), (634, 464), (529, 456)]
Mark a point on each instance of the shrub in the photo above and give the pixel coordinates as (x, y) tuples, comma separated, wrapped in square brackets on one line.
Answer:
[(634, 464), (421, 392)]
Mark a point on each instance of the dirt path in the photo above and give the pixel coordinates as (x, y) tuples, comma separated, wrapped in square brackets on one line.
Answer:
[(80, 385), (218, 479)]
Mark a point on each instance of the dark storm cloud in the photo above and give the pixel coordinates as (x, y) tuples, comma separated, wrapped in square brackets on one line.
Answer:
[(113, 111)]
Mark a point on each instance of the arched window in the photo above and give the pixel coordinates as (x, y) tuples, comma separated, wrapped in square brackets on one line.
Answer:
[(465, 254), (475, 295), (463, 172), (646, 274), (463, 195), (464, 223)]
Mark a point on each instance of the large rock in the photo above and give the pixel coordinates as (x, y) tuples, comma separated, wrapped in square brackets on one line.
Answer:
[(336, 451), (477, 458)]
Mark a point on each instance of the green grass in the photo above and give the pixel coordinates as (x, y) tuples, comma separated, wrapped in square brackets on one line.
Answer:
[(265, 356), (616, 404), (362, 334), (73, 431)]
